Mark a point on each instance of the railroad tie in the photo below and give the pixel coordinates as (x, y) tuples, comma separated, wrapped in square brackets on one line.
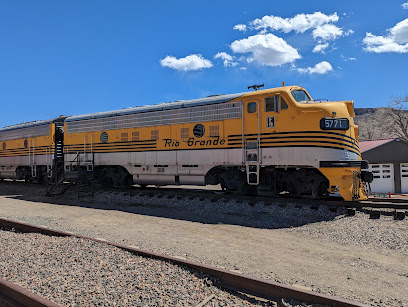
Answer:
[(399, 215), (375, 214), (351, 211)]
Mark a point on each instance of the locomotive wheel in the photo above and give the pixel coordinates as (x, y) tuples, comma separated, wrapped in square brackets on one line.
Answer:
[(232, 180), (321, 190), (249, 189)]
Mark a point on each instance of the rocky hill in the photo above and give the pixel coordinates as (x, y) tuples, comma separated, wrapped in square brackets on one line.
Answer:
[(377, 123)]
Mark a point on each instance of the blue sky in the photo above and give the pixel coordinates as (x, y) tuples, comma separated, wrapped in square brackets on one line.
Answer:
[(76, 57)]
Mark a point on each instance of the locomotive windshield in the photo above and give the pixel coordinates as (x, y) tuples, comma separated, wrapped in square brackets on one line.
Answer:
[(301, 96)]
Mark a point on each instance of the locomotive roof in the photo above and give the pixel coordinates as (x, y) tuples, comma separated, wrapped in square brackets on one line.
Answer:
[(160, 106), (32, 124)]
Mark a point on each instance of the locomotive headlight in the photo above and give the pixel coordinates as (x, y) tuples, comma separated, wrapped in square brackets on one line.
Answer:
[(331, 123)]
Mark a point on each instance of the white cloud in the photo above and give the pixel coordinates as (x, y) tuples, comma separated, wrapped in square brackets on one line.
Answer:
[(400, 32), (320, 68), (327, 32), (228, 59), (322, 26), (395, 41), (266, 49), (381, 44), (299, 23), (224, 56), (240, 27), (190, 62), (347, 59), (405, 6), (320, 48), (348, 32)]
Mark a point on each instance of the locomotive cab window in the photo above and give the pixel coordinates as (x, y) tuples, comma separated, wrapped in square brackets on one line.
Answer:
[(251, 108), (272, 104), (301, 96)]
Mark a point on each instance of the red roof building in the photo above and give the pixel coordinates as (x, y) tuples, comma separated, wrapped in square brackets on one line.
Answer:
[(388, 160), (370, 144)]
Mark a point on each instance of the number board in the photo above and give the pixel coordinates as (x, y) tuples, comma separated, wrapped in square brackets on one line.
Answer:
[(271, 122), (330, 123)]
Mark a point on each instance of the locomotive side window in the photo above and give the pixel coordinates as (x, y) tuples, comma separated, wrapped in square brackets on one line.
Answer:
[(272, 104), (283, 105), (251, 107)]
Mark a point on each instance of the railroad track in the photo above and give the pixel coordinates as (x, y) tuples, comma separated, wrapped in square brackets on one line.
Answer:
[(374, 207), (17, 296), (14, 295)]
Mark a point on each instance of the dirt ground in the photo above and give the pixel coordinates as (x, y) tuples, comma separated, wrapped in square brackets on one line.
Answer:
[(351, 257)]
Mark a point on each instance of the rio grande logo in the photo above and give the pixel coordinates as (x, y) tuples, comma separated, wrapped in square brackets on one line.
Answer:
[(193, 142)]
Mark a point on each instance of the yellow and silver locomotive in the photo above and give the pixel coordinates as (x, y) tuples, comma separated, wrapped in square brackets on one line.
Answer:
[(268, 141), (28, 151)]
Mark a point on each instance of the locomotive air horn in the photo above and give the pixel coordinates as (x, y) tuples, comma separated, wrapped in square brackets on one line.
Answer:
[(255, 86)]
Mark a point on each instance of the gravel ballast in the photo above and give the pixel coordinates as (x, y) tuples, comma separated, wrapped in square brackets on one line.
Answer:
[(351, 257), (77, 272)]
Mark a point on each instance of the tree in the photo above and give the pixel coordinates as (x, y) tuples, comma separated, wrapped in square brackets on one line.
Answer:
[(396, 118), (371, 124)]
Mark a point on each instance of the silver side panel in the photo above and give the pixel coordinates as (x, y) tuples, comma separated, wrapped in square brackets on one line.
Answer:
[(162, 167), (8, 165), (304, 156)]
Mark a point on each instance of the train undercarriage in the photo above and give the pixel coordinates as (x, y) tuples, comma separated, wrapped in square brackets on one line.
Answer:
[(296, 182), (30, 174)]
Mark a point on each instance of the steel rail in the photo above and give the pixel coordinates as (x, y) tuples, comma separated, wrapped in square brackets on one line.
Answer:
[(229, 280), (17, 296)]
